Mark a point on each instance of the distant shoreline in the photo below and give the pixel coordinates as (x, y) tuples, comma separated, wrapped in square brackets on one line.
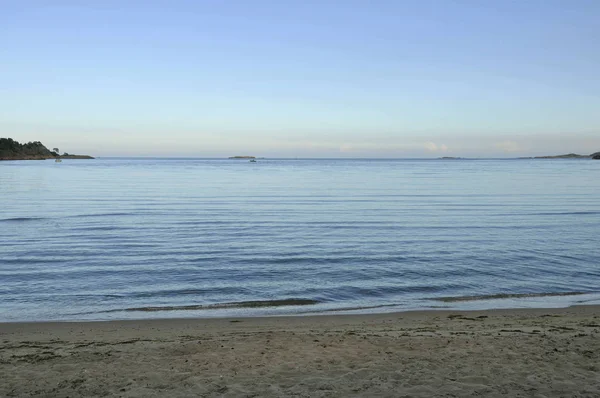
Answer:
[(566, 156), (48, 158)]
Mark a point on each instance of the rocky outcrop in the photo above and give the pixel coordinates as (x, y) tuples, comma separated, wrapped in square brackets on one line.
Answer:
[(75, 157), (13, 150), (595, 155)]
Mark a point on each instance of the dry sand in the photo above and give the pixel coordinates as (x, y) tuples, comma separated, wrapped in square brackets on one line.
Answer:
[(508, 353)]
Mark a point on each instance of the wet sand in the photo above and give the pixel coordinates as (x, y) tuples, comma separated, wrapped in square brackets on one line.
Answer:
[(496, 353)]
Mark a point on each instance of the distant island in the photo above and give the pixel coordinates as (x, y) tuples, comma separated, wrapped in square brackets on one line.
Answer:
[(566, 156), (242, 157), (595, 155), (449, 158), (13, 150)]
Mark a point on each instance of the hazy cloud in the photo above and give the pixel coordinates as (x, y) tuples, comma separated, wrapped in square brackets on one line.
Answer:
[(346, 148), (509, 146), (433, 147)]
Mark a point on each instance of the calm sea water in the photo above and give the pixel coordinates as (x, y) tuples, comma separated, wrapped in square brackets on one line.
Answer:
[(143, 238)]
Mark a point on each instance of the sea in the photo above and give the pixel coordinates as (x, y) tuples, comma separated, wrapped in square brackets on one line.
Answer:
[(138, 238)]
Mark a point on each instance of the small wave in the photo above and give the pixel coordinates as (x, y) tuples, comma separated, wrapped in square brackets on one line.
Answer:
[(103, 215), (239, 304), (22, 219), (567, 213), (357, 308), (101, 228), (188, 292), (503, 296)]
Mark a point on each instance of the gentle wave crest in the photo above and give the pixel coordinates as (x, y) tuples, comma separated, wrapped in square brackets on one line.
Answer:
[(241, 304), (505, 296)]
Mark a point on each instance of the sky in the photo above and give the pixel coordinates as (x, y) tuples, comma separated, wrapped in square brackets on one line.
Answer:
[(291, 78)]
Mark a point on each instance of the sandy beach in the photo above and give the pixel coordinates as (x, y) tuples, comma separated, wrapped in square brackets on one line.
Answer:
[(496, 353)]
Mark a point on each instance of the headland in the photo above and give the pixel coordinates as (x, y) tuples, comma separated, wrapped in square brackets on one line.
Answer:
[(13, 150)]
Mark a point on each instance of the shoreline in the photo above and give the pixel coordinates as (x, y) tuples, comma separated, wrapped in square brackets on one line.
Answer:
[(302, 307), (335, 313), (320, 315), (501, 352)]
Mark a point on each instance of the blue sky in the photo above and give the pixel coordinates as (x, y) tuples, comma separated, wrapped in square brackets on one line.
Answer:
[(302, 78)]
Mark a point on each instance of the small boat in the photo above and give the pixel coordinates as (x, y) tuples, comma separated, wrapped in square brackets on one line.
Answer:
[(252, 160), (57, 151)]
